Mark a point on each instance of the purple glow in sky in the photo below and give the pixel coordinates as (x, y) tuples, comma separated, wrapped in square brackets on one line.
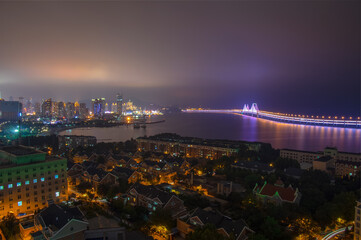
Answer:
[(286, 56)]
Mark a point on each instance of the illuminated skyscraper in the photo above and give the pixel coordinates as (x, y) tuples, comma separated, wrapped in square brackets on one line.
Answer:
[(98, 108), (70, 110), (46, 108), (119, 104)]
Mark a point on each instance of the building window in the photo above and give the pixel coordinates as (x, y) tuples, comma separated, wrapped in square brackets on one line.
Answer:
[(56, 176), (10, 185), (1, 187), (57, 194), (42, 179), (20, 203), (35, 180), (27, 182)]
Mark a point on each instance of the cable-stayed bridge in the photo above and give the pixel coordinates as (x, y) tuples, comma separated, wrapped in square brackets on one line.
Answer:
[(253, 111)]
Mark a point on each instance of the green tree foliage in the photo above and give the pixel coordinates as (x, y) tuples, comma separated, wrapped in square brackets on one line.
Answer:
[(83, 187), (207, 232), (10, 226), (162, 217), (282, 163), (194, 201), (271, 228)]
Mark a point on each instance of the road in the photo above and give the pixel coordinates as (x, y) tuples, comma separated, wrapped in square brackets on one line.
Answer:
[(333, 234)]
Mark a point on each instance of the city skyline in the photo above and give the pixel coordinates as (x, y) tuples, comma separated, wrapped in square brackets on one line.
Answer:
[(285, 56)]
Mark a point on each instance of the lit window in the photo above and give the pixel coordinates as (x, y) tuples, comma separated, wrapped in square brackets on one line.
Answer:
[(42, 179), (57, 194), (20, 203), (56, 176), (35, 180), (18, 184), (1, 187), (10, 185), (27, 182)]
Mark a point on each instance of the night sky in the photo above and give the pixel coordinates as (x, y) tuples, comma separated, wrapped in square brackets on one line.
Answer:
[(295, 57)]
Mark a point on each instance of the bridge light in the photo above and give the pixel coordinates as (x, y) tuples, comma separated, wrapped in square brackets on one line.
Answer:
[(358, 118), (329, 117), (350, 117), (335, 117), (312, 116), (323, 116)]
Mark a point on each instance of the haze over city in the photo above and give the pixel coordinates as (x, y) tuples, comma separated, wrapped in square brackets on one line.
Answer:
[(286, 56)]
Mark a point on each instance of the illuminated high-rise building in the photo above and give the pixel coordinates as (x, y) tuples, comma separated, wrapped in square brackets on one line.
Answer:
[(84, 112), (61, 109), (119, 104), (77, 109), (46, 108), (70, 110), (114, 108), (98, 107)]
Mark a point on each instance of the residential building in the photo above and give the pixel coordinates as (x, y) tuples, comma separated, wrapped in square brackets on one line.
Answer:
[(30, 180), (325, 164), (277, 193), (153, 198), (309, 157), (254, 166), (300, 156), (61, 222), (347, 168), (225, 225), (73, 141), (127, 174), (188, 147)]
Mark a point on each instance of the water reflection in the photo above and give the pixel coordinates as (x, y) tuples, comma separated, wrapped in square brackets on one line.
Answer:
[(237, 127)]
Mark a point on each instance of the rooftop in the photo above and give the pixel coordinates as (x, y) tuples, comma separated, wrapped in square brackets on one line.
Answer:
[(19, 150)]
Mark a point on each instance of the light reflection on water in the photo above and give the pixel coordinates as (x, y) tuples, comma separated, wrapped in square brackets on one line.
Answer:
[(236, 127)]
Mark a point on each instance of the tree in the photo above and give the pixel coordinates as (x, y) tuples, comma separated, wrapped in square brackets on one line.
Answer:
[(10, 226), (83, 187), (271, 228), (282, 163), (162, 217), (207, 232)]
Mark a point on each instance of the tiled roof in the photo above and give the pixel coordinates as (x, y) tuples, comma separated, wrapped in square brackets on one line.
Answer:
[(286, 194), (152, 192), (97, 171), (56, 216), (219, 220), (122, 171)]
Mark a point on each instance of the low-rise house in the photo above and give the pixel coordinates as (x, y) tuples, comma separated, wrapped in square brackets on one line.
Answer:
[(225, 225), (130, 175), (97, 176), (61, 222), (153, 167), (153, 198), (277, 193), (254, 167), (80, 157)]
